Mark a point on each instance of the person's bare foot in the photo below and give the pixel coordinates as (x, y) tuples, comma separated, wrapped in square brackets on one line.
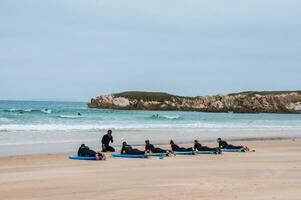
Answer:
[(247, 149)]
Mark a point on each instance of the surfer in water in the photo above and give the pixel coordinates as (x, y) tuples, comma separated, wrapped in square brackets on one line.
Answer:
[(106, 139), (222, 144), (149, 148), (85, 151), (128, 149), (199, 147), (175, 147)]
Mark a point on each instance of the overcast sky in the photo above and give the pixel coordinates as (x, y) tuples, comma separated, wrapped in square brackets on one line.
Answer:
[(75, 50)]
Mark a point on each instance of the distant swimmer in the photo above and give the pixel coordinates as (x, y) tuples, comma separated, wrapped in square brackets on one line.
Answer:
[(199, 147), (128, 149), (85, 151), (155, 116), (79, 114), (21, 112), (222, 144), (175, 147), (106, 139)]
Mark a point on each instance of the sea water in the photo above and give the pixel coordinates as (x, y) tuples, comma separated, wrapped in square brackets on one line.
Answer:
[(45, 126)]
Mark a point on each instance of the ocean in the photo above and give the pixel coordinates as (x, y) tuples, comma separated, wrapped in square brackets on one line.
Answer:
[(28, 127)]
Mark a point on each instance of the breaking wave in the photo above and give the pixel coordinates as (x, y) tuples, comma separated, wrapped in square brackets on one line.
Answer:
[(21, 111), (170, 117)]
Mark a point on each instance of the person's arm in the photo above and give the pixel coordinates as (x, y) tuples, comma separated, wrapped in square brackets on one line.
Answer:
[(79, 152), (152, 148), (194, 147), (103, 139), (122, 149), (112, 139)]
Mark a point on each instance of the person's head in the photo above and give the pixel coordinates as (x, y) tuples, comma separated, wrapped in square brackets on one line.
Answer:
[(146, 141), (196, 141), (219, 139), (83, 145), (124, 143), (109, 132), (171, 142)]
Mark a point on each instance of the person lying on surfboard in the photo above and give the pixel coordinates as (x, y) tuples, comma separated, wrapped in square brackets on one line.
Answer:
[(222, 144), (175, 147), (199, 147), (128, 149), (149, 148), (85, 151)]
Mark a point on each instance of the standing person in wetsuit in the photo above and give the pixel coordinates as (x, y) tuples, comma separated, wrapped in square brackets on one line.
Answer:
[(199, 147), (175, 147), (85, 151), (152, 149), (106, 139), (128, 149), (222, 144)]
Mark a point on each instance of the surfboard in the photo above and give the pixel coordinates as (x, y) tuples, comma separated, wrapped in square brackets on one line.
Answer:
[(128, 155), (75, 157), (184, 152), (156, 154), (205, 152), (233, 150)]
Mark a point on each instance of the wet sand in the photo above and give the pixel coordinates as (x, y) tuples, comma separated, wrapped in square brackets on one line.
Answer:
[(272, 172)]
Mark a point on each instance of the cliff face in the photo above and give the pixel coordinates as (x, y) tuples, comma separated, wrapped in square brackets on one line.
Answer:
[(246, 102)]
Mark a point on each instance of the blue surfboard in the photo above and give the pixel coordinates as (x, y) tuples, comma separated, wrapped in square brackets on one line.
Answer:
[(75, 157), (156, 154), (184, 152), (128, 155), (233, 150), (205, 152)]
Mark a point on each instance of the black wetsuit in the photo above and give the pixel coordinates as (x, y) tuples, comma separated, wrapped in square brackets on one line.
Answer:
[(86, 151), (127, 149), (175, 147), (151, 148), (106, 139), (224, 145), (199, 147)]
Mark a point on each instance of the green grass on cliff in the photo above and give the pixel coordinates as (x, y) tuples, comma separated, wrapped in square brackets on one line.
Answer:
[(146, 96), (253, 93), (161, 96)]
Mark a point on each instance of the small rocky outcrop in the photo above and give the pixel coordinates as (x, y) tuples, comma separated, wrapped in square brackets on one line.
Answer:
[(245, 102)]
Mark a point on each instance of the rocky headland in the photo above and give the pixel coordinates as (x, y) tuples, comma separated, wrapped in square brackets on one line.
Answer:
[(244, 102)]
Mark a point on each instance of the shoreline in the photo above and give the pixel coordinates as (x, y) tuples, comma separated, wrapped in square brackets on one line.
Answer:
[(164, 145), (272, 172)]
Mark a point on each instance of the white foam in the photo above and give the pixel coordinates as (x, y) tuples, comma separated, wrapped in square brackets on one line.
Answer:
[(46, 111), (171, 117), (69, 116), (145, 126), (5, 120)]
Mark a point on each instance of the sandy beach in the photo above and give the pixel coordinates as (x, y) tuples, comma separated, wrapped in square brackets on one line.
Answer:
[(272, 172)]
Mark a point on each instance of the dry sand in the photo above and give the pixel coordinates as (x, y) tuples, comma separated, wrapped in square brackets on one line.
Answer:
[(272, 172)]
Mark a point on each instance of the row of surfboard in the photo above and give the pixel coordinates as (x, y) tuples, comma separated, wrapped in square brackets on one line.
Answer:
[(155, 154)]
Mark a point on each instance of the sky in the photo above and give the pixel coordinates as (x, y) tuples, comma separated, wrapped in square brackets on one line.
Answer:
[(79, 49)]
